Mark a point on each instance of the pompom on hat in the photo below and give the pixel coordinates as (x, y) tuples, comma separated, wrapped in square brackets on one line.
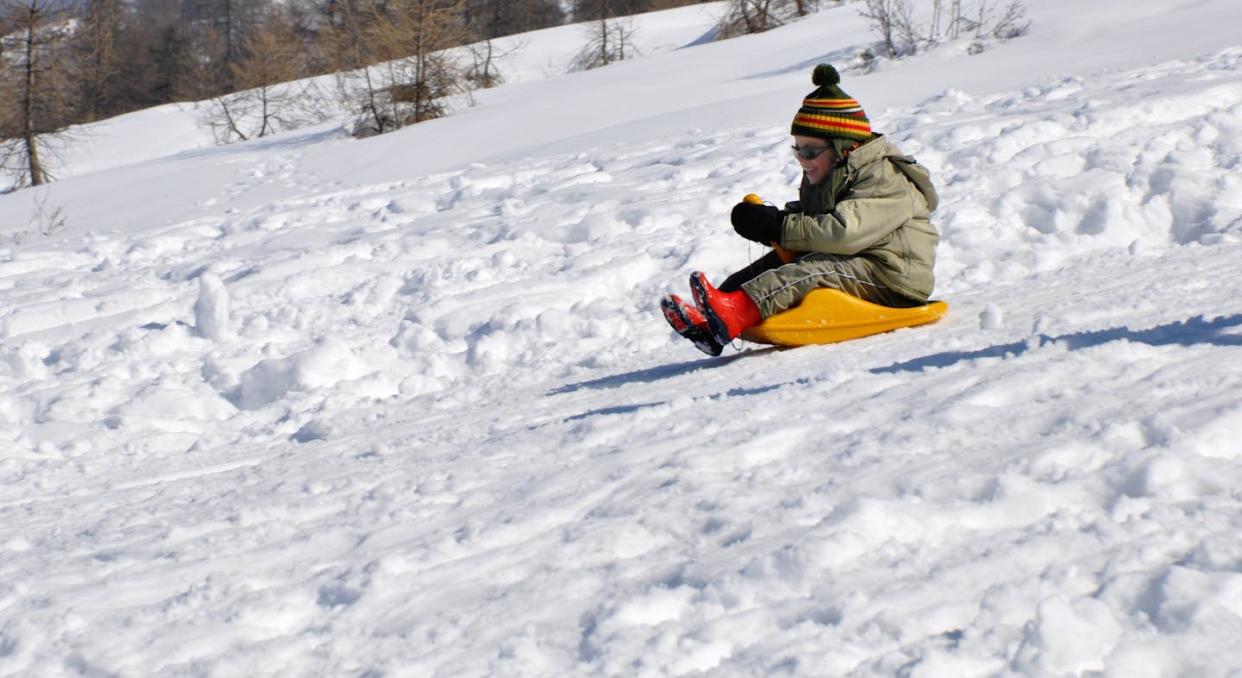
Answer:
[(829, 113)]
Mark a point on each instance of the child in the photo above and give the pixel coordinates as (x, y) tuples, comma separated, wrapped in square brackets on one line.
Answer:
[(860, 225)]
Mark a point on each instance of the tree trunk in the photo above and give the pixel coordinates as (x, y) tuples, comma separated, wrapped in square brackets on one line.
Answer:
[(29, 134), (421, 71)]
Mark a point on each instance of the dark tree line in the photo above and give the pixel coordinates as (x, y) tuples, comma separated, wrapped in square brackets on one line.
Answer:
[(67, 62)]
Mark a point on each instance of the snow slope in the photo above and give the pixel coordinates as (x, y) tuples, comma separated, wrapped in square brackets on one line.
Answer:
[(404, 406)]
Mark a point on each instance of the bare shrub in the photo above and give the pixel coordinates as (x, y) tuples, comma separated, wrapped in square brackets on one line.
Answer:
[(1012, 23), (393, 67), (900, 35), (44, 221), (744, 17), (269, 98), (484, 70), (609, 40), (893, 21)]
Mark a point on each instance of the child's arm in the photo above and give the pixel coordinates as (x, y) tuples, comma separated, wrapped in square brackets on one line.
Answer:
[(874, 208)]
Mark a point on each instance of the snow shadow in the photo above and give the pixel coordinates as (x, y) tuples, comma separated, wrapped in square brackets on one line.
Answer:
[(1195, 331), (651, 374), (636, 377), (289, 141), (707, 37), (615, 409), (842, 58)]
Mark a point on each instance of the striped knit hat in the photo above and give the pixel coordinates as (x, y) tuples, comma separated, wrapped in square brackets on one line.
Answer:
[(828, 113)]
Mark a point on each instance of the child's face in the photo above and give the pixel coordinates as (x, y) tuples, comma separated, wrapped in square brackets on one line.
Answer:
[(817, 168)]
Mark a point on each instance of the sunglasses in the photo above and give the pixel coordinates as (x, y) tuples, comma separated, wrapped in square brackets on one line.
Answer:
[(809, 152)]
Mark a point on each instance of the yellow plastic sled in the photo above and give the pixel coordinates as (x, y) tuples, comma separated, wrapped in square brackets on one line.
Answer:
[(827, 316)]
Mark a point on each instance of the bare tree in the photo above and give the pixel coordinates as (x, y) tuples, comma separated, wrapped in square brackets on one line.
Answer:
[(393, 67), (610, 39), (202, 67), (344, 50), (893, 21), (227, 25), (34, 86), (268, 98), (424, 30), (670, 4), (484, 71), (172, 66), (594, 10), (885, 18), (805, 7), (97, 43), (909, 35), (1012, 22), (486, 20), (497, 18), (151, 53), (743, 17)]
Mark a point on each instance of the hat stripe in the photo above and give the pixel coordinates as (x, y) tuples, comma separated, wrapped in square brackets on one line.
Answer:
[(856, 110), (826, 122), (858, 114), (844, 105), (832, 130)]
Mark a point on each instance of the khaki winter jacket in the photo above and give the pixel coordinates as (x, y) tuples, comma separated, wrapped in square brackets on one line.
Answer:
[(880, 215)]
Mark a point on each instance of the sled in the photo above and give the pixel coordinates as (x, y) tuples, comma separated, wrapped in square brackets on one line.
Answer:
[(827, 316)]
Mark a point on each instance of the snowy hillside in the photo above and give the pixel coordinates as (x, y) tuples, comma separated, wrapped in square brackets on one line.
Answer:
[(405, 406)]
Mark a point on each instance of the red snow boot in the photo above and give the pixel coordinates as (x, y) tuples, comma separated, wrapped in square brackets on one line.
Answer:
[(728, 313), (689, 322)]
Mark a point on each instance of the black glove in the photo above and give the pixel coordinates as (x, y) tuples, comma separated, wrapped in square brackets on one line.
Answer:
[(760, 223)]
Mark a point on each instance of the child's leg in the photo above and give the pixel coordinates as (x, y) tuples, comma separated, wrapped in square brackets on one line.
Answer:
[(767, 262), (782, 288)]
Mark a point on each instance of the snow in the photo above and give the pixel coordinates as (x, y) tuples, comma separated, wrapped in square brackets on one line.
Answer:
[(211, 311), (405, 406)]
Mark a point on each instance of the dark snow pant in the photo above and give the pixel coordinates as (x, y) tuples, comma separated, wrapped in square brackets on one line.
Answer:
[(775, 286)]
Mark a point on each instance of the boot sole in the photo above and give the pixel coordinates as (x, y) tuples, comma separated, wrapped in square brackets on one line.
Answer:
[(720, 331), (675, 316), (681, 324)]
